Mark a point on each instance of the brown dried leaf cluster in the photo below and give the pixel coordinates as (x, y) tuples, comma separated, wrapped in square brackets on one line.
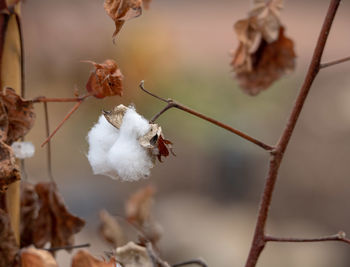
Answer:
[(264, 53), (123, 10), (45, 218), (138, 210), (16, 119), (106, 80)]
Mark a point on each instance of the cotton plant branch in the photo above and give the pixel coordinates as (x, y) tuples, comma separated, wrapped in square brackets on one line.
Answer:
[(79, 100), (337, 237), (174, 104), (259, 239), (54, 249), (334, 62)]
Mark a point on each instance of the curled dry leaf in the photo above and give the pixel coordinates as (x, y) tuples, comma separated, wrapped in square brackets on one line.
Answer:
[(84, 259), (54, 223), (122, 10), (264, 53), (32, 257), (8, 247), (132, 255), (110, 229), (138, 211), (30, 205), (9, 170), (20, 115), (106, 80)]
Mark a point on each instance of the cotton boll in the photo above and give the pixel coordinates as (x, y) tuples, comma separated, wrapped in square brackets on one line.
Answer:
[(101, 138), (127, 157), (23, 150)]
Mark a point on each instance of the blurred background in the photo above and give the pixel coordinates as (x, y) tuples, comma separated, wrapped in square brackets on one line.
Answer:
[(207, 197)]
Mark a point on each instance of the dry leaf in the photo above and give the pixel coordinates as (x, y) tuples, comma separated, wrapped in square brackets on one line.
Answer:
[(9, 170), (30, 205), (54, 223), (122, 10), (138, 212), (8, 247), (20, 114), (31, 257), (271, 62), (106, 80), (264, 54), (84, 259), (110, 229), (132, 255)]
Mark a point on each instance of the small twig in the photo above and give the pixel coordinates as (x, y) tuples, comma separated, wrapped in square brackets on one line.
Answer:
[(67, 247), (156, 260), (76, 106), (173, 104), (42, 99), (337, 237), (334, 62), (199, 262), (48, 148), (24, 175)]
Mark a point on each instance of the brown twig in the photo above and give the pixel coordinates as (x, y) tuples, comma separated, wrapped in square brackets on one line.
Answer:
[(42, 99), (173, 104), (199, 262), (48, 148), (67, 247), (337, 237), (76, 106), (259, 241), (334, 62)]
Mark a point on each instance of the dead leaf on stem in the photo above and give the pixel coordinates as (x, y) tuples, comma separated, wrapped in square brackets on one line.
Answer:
[(110, 229), (54, 223), (106, 80), (32, 257), (8, 247), (264, 53), (20, 115), (138, 211), (84, 259), (122, 10), (9, 170), (30, 206)]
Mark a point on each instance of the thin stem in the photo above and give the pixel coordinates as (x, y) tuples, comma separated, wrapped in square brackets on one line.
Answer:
[(199, 262), (76, 106), (173, 104), (259, 241), (42, 99), (48, 148), (337, 237), (67, 247), (20, 32), (334, 62)]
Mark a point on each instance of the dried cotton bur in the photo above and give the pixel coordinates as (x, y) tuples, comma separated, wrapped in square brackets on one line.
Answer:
[(124, 144), (264, 53), (16, 119), (123, 10)]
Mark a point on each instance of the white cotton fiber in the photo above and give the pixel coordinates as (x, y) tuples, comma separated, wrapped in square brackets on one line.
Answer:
[(101, 138), (23, 150), (118, 153), (127, 157)]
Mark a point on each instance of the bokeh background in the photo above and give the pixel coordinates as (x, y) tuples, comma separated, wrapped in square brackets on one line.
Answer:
[(207, 197)]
